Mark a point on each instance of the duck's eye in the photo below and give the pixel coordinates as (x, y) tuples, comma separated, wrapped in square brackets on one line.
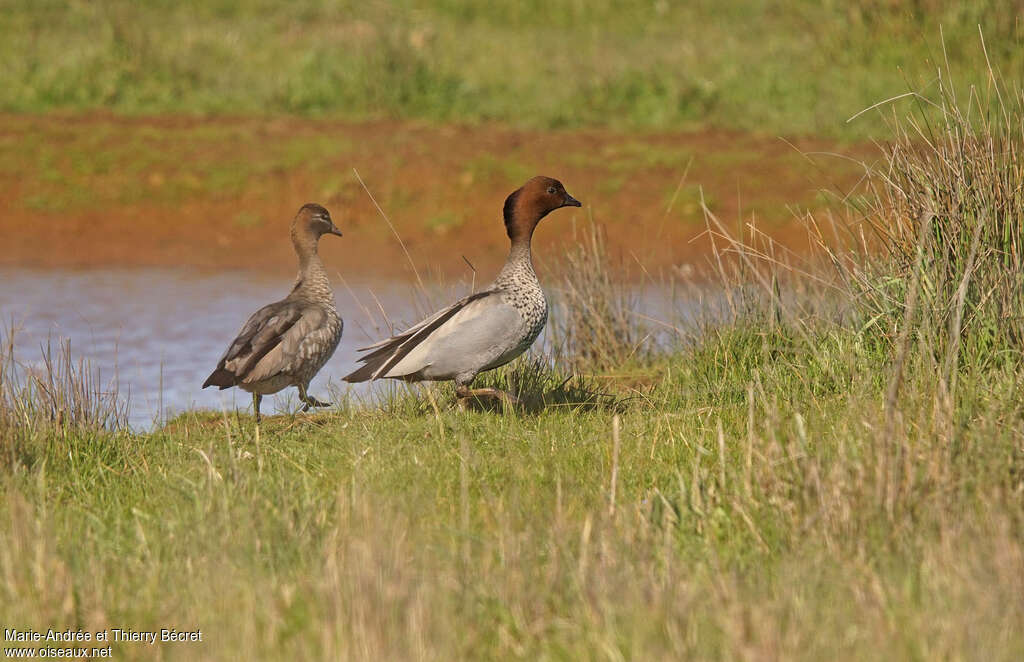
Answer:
[(551, 189)]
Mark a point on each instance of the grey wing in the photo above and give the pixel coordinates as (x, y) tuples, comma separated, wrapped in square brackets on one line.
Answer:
[(261, 333), (482, 334), (302, 349), (433, 320), (386, 353)]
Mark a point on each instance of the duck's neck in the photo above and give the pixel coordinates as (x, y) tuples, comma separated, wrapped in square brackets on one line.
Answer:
[(312, 281), (519, 264)]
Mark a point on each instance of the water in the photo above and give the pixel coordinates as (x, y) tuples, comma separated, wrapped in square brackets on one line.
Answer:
[(159, 328), (161, 332)]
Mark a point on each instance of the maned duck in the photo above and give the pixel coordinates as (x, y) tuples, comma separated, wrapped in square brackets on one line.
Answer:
[(287, 342), (486, 329)]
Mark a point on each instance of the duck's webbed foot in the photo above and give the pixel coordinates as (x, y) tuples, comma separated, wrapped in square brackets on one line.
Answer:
[(313, 402), (464, 393), (309, 401)]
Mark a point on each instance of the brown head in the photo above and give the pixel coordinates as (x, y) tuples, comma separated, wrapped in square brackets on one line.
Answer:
[(533, 201), (311, 223)]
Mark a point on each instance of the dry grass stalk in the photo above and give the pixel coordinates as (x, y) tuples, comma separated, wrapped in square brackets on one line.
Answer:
[(596, 323), (59, 393)]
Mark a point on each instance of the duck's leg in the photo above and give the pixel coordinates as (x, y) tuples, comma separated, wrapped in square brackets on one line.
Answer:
[(308, 400), (256, 398), (463, 393)]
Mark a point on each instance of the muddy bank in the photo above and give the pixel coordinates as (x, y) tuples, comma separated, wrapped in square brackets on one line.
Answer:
[(100, 191)]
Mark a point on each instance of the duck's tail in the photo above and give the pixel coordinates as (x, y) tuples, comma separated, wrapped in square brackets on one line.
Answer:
[(364, 373), (221, 378), (376, 362)]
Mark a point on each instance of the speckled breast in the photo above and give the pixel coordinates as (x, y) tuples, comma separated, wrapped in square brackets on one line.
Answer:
[(521, 290), (533, 307)]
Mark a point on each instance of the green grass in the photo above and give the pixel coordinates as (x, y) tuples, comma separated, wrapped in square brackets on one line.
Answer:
[(756, 514), (768, 65)]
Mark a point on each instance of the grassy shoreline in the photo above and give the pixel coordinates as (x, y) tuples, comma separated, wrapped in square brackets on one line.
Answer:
[(757, 513)]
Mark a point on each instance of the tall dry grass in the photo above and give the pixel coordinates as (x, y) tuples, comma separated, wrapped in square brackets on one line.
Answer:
[(926, 273), (595, 324), (56, 396), (946, 206)]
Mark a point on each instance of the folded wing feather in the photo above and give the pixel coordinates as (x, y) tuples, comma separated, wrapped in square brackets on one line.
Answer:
[(260, 335), (390, 351), (292, 347)]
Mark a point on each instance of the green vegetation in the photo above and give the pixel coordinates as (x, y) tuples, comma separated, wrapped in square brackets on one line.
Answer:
[(761, 508), (765, 65), (832, 470)]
